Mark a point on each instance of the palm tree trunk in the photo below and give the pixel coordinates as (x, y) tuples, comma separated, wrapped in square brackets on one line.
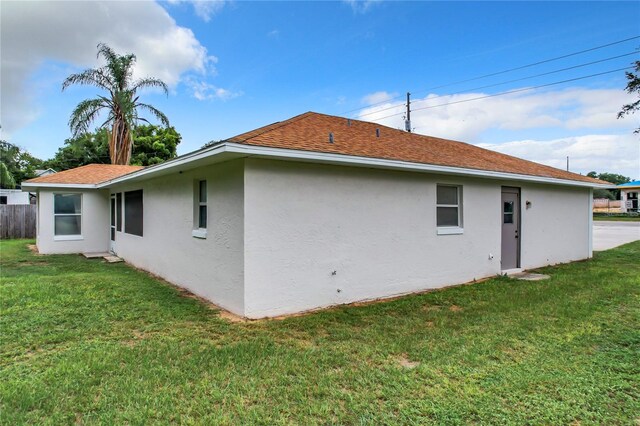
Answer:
[(120, 142)]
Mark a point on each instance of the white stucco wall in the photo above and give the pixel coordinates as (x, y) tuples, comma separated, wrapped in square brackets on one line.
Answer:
[(376, 229), (94, 228), (286, 237), (557, 227), (211, 268), (15, 196)]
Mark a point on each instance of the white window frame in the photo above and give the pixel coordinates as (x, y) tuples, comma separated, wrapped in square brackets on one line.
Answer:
[(199, 232), (75, 237), (450, 230)]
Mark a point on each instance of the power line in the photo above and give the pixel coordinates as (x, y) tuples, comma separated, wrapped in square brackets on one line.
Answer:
[(504, 82), (500, 72), (508, 92), (539, 62)]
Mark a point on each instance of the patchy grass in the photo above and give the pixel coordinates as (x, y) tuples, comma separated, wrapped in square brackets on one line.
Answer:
[(87, 342), (616, 218)]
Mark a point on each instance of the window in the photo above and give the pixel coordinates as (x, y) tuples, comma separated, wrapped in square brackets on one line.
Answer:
[(507, 212), (3, 199), (449, 209), (199, 209), (119, 212), (202, 204), (67, 214), (133, 212)]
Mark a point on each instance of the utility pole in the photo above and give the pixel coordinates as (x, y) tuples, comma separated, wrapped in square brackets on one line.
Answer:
[(407, 121)]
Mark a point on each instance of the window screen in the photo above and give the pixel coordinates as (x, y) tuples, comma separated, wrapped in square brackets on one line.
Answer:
[(119, 211), (202, 204), (448, 205), (67, 214), (133, 212)]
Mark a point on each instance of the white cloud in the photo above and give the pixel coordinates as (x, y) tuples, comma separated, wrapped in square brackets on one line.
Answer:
[(361, 6), (203, 91), (68, 32), (573, 109), (378, 98), (601, 153), (273, 34), (606, 144)]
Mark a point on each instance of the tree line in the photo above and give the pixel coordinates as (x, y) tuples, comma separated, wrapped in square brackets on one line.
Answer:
[(151, 145)]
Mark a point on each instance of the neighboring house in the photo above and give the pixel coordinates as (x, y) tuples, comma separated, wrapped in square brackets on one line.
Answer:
[(44, 172), (14, 196), (17, 196), (629, 196), (320, 210)]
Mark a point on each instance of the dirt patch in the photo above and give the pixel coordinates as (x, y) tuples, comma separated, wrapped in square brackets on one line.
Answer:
[(430, 324), (34, 249), (455, 308), (405, 362), (429, 308), (32, 263), (136, 338), (228, 316)]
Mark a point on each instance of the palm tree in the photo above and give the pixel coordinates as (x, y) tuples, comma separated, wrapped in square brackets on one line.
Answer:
[(121, 104), (6, 178)]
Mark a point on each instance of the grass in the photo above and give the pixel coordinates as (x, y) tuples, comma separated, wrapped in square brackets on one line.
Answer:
[(614, 218), (87, 342)]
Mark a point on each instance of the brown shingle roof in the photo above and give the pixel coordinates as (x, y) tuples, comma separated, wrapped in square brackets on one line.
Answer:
[(310, 132), (89, 174)]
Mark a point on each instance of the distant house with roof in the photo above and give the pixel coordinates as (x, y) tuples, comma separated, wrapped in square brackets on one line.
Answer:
[(629, 196), (44, 172), (320, 210)]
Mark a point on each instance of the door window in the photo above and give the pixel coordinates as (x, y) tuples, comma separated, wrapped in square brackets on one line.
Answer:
[(507, 212)]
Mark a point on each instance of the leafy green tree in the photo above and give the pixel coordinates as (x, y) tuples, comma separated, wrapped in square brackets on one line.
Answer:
[(633, 86), (17, 165), (121, 102), (154, 144), (211, 143), (614, 178), (6, 178), (87, 148), (151, 145)]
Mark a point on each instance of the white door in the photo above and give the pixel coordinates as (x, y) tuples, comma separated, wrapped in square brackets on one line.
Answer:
[(112, 227), (510, 228)]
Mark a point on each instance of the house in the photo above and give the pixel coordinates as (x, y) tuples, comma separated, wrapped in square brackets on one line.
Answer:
[(14, 196), (44, 172), (629, 196), (17, 196), (320, 210)]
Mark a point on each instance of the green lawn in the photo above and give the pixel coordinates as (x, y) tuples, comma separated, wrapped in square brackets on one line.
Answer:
[(86, 342), (616, 218)]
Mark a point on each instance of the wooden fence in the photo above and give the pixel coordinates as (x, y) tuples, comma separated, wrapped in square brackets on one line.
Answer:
[(17, 221), (605, 205)]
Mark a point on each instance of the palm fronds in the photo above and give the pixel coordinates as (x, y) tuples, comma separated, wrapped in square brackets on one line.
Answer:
[(121, 104)]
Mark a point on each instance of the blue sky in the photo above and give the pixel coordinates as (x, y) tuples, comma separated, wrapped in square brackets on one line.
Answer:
[(234, 66)]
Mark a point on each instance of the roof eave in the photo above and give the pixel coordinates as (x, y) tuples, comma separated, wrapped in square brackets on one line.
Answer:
[(37, 185), (244, 150), (341, 159)]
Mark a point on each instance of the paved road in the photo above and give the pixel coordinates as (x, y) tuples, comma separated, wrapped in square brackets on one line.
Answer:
[(608, 235)]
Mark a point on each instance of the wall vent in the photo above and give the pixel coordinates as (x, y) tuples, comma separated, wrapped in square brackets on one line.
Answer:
[(377, 133), (330, 137)]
